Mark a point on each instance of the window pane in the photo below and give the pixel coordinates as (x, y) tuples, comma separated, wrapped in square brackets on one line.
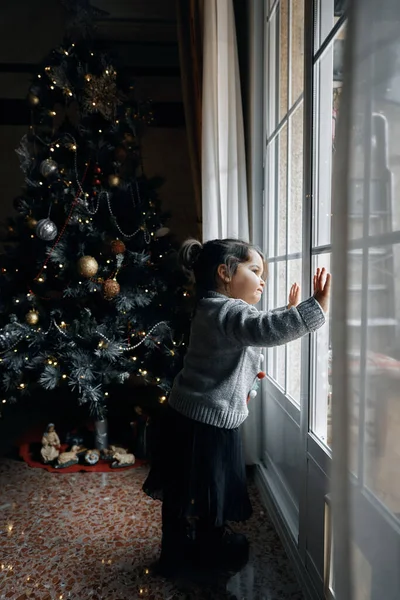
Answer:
[(281, 301), (296, 182), (282, 191), (321, 397), (270, 200), (297, 49), (271, 303), (327, 14), (283, 57), (327, 76), (294, 348), (382, 390), (273, 87), (372, 185)]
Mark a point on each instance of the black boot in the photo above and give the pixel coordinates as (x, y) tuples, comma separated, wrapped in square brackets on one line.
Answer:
[(222, 549), (176, 544)]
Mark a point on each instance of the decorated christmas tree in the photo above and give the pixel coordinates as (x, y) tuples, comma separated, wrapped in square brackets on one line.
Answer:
[(90, 294)]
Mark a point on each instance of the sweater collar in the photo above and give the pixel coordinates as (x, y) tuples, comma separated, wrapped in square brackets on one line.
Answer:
[(213, 294)]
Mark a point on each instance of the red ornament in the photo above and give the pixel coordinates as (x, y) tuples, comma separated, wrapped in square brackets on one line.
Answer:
[(117, 247), (111, 289), (97, 170), (97, 182)]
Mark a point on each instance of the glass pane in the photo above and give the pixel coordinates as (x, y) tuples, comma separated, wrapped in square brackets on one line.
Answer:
[(327, 14), (296, 182), (270, 200), (382, 390), (355, 296), (283, 57), (321, 397), (327, 93), (375, 175), (271, 303), (297, 49), (294, 348), (281, 301), (273, 87), (282, 191)]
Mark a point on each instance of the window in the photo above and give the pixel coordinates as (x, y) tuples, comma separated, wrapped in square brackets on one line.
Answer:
[(285, 231), (327, 81), (284, 177)]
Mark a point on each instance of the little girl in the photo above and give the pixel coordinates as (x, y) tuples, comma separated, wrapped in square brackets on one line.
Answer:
[(199, 470)]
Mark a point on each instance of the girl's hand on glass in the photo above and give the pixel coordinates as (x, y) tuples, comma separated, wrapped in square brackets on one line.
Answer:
[(294, 295), (322, 288)]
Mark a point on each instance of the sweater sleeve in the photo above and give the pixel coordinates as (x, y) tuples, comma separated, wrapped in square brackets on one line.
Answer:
[(247, 326)]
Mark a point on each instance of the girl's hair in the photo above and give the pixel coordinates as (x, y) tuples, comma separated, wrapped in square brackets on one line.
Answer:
[(200, 262)]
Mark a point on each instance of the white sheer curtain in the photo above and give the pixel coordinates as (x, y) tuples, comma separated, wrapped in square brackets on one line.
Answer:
[(366, 344), (224, 192), (224, 187)]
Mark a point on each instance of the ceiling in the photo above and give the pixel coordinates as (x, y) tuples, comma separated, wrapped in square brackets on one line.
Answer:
[(143, 31)]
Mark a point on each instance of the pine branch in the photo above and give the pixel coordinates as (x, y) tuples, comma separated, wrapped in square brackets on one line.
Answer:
[(50, 377)]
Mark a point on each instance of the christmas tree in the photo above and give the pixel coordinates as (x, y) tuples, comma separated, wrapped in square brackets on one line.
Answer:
[(89, 295)]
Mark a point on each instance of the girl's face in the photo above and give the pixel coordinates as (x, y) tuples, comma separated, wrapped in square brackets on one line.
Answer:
[(247, 283)]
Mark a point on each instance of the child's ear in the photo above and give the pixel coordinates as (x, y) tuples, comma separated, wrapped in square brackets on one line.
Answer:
[(222, 272)]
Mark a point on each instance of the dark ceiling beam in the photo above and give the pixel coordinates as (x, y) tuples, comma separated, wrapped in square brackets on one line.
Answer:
[(142, 21), (16, 112), (132, 71)]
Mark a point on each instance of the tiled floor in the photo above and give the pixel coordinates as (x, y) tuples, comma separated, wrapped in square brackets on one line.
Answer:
[(91, 536)]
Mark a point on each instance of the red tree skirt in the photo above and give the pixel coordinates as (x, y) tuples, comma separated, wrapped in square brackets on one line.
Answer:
[(29, 451)]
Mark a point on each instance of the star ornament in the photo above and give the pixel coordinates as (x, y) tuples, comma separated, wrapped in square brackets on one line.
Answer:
[(101, 94)]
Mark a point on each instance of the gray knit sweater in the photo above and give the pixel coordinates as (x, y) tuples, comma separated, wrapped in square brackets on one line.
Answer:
[(224, 353)]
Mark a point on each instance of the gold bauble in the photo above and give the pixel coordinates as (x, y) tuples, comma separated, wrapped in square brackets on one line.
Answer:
[(32, 317), (111, 289), (87, 266), (114, 180), (31, 222), (33, 99)]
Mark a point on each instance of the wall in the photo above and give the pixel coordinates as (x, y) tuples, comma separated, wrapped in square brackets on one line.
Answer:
[(24, 43)]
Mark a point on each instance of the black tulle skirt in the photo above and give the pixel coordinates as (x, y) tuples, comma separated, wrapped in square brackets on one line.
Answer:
[(199, 470)]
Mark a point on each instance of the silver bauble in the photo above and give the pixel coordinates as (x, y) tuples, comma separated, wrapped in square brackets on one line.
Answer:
[(46, 230), (162, 232), (48, 167)]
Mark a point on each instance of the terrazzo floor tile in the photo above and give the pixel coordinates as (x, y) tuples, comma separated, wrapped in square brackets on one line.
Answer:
[(93, 536)]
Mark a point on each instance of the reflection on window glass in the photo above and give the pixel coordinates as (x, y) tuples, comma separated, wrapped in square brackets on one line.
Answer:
[(270, 304), (282, 191), (295, 207), (327, 14), (381, 405), (327, 87), (283, 57), (270, 235), (294, 348), (321, 423), (297, 49), (281, 302), (272, 74)]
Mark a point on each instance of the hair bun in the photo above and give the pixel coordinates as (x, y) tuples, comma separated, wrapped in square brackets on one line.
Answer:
[(189, 253)]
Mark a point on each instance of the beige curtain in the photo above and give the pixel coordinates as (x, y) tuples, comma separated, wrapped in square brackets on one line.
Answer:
[(190, 17)]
